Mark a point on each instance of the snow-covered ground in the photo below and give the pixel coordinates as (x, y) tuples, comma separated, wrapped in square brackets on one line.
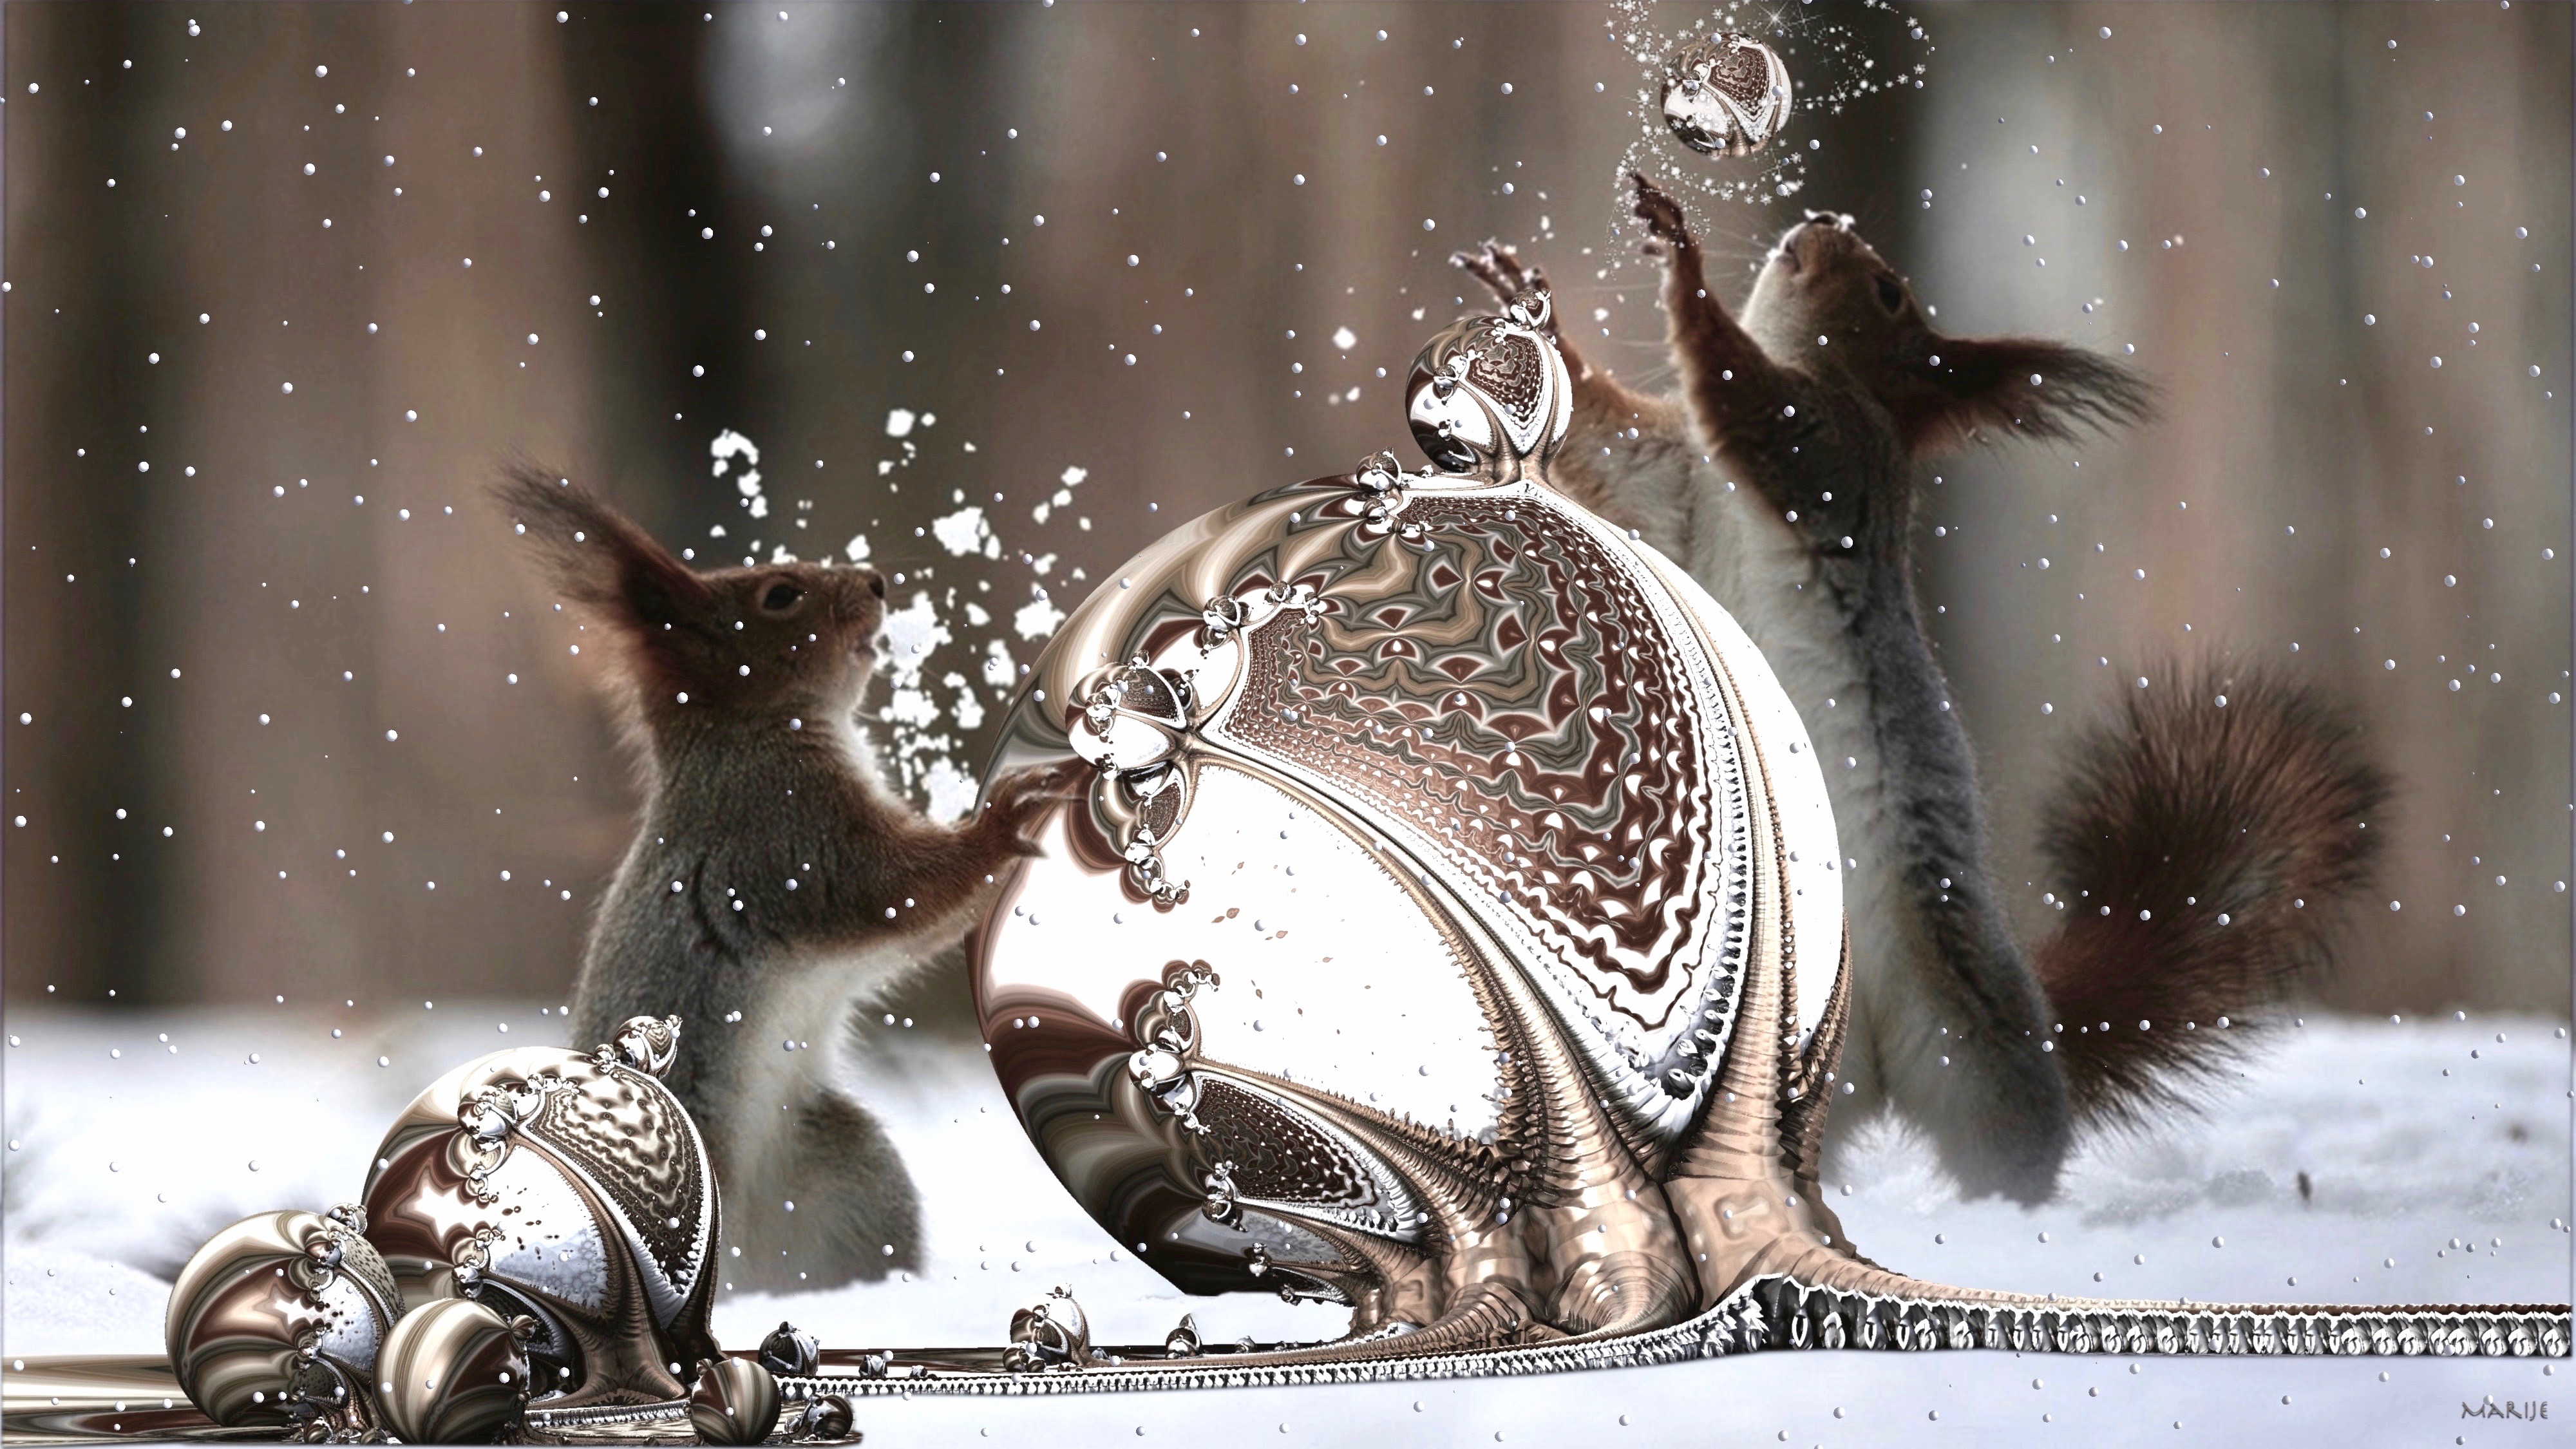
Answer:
[(2436, 1155)]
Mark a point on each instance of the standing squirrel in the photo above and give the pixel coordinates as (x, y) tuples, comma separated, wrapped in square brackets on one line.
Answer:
[(2203, 833), (775, 885)]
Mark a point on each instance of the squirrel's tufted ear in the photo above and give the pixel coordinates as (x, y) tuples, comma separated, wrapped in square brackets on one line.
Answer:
[(2005, 387), (598, 558)]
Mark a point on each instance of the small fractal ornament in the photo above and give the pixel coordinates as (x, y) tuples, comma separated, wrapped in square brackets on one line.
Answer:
[(1727, 94)]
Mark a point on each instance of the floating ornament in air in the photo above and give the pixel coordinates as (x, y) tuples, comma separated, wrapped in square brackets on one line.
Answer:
[(1729, 93)]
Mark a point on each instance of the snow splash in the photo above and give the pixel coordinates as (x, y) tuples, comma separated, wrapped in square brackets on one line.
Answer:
[(947, 659), (730, 446)]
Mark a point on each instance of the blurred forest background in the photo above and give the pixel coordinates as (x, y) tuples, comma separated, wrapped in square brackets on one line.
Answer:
[(282, 707)]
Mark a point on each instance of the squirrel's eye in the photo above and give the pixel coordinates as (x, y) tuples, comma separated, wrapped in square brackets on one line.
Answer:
[(781, 597), (1891, 294)]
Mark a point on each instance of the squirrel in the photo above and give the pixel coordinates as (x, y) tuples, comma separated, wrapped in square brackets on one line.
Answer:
[(775, 884), (2204, 832)]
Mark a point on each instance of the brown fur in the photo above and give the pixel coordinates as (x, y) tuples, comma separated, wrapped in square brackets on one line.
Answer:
[(2264, 811)]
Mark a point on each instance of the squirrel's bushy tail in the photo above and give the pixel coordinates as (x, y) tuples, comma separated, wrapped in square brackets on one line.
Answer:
[(2207, 848)]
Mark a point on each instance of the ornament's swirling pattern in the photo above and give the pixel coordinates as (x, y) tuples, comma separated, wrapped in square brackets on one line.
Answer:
[(1281, 1157), (1513, 639), (618, 1130), (1728, 93), (1513, 372)]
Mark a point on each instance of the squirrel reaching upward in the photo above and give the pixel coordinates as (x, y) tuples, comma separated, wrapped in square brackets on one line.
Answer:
[(775, 884), (2203, 833)]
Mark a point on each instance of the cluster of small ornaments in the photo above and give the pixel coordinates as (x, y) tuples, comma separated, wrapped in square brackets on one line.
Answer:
[(533, 1252)]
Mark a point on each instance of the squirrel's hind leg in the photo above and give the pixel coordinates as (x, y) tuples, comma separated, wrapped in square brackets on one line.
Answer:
[(856, 1215)]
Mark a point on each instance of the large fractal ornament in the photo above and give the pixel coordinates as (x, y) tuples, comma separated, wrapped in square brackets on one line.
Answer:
[(1451, 930), (1459, 859)]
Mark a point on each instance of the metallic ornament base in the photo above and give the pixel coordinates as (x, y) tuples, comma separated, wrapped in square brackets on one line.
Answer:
[(70, 1400), (1779, 1313)]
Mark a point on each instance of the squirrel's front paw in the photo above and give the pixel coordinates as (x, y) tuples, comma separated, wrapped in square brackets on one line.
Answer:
[(1661, 214), (1500, 269), (1021, 799)]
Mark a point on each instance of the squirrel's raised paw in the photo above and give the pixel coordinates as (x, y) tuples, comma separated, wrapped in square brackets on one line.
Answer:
[(1500, 269), (1022, 798), (1661, 214)]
